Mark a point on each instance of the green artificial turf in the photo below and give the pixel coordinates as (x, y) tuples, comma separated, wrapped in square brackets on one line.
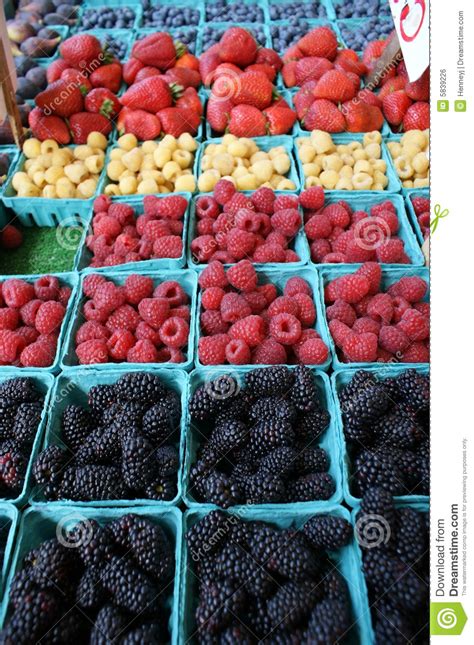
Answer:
[(44, 250)]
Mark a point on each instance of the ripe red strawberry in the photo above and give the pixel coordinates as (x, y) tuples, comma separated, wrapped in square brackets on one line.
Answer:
[(247, 121), (55, 69), (109, 76), (419, 90), (48, 127), (60, 99), (157, 50), (269, 56), (83, 123), (293, 53), (82, 51), (183, 76), (361, 117), (392, 85), (143, 125), (324, 115), (238, 46), (373, 51), (152, 94), (189, 100), (311, 68), (321, 41), (280, 119), (263, 68), (189, 61), (289, 73), (71, 75), (395, 106), (103, 101), (367, 96), (346, 64), (335, 86), (208, 63), (255, 89), (218, 113), (130, 70), (176, 121), (146, 72), (417, 117), (304, 98)]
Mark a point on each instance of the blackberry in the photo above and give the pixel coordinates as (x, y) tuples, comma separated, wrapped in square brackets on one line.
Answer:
[(328, 532), (414, 390), (149, 633), (198, 474), (52, 566), (258, 619), (87, 453), (272, 407), (101, 397), (269, 434), (95, 543), (378, 501), (162, 489), (293, 602), (7, 418), (264, 488), (304, 393), (312, 460), (312, 425), (22, 586), (172, 401), (280, 462), (72, 626), (138, 465), (399, 428), (270, 381), (314, 487), (49, 465), (167, 460), (13, 464), (219, 603), (411, 536), (366, 406), (90, 594), (391, 625), (236, 634), (142, 387), (237, 409), (92, 483), (409, 464), (150, 548), (76, 426), (329, 622), (283, 553), (360, 381), (20, 390), (156, 423), (107, 443), (27, 420), (228, 436), (109, 625), (125, 413), (207, 535), (222, 490), (234, 564), (131, 590), (32, 619), (334, 586), (377, 469), (203, 405)]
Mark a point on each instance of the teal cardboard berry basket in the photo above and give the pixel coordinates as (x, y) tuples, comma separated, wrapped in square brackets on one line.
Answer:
[(329, 440), (72, 387), (346, 560), (187, 279), (393, 186), (299, 243), (389, 277), (85, 256), (339, 379), (37, 525), (279, 277), (394, 137), (378, 234), (12, 152), (8, 526), (416, 192), (44, 383)]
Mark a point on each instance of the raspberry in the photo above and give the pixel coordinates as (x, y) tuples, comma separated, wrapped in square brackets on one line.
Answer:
[(313, 352), (338, 215), (174, 332), (49, 317), (47, 287), (64, 295), (412, 288), (243, 276), (125, 317), (124, 245), (400, 305), (28, 334), (317, 227), (92, 312), (207, 206), (384, 357), (361, 348), (391, 219), (277, 238), (170, 355), (109, 296), (380, 308), (334, 258), (236, 202), (423, 307), (383, 207), (361, 307), (306, 309), (91, 330), (211, 349), (291, 256), (145, 332), (269, 352), (124, 213), (341, 311), (352, 288), (393, 340), (11, 345), (213, 276), (112, 260), (319, 249), (312, 198), (204, 226), (256, 301), (390, 252), (234, 307), (172, 207), (212, 323), (269, 291), (249, 221), (101, 203), (223, 191), (297, 285), (285, 328), (17, 293), (357, 217), (119, 344), (142, 352), (263, 200), (269, 253), (155, 229), (173, 292), (341, 243), (28, 312), (373, 273), (154, 311), (237, 352), (168, 246), (287, 221), (416, 353), (182, 311), (285, 201), (339, 331), (9, 318), (250, 329), (38, 354), (330, 291), (240, 243), (92, 351), (366, 324), (212, 297), (107, 226), (355, 252), (137, 287), (283, 305), (415, 325)]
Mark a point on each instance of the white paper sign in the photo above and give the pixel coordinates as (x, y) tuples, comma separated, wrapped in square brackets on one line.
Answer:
[(412, 23)]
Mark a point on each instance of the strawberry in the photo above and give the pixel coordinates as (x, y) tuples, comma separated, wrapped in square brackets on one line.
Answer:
[(83, 52), (55, 69), (143, 125), (247, 121), (238, 46), (157, 50), (103, 101), (361, 117), (208, 63), (189, 61), (311, 68), (146, 72), (304, 98), (280, 119), (355, 80), (176, 121), (419, 90), (321, 41), (417, 117), (335, 86), (289, 73), (184, 76), (48, 127), (109, 76), (255, 89), (130, 69), (324, 115), (367, 96), (263, 68), (348, 64), (395, 106), (83, 123), (71, 75), (267, 56), (152, 94), (373, 51), (189, 100), (218, 113), (292, 53), (392, 85), (61, 99)]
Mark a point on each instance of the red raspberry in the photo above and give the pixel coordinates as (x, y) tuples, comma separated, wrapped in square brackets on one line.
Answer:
[(334, 258), (412, 288), (141, 223), (361, 348), (145, 332), (109, 296), (400, 305), (154, 311), (211, 349), (263, 200), (150, 203), (170, 355), (101, 203), (283, 305), (355, 252), (91, 330), (120, 343), (306, 334), (173, 292), (415, 325), (234, 307), (123, 213), (237, 352), (277, 238), (313, 352), (137, 287), (92, 312), (306, 309), (125, 244), (330, 291), (174, 332), (155, 229), (420, 204), (285, 328), (240, 243), (172, 207), (11, 346), (361, 307), (250, 329), (317, 227), (204, 226), (352, 288), (341, 243), (269, 253), (107, 226), (142, 352), (416, 353), (243, 276), (391, 219), (236, 202), (28, 312), (203, 248), (47, 287), (291, 256), (247, 220), (393, 340), (212, 323), (319, 249), (207, 206), (338, 215), (182, 311), (125, 317), (312, 198), (223, 191), (64, 295), (9, 318), (28, 334), (423, 307), (390, 252), (357, 217), (49, 317), (297, 285), (380, 308), (38, 354), (287, 221), (102, 249), (339, 332), (384, 357), (168, 246), (269, 352), (212, 297), (269, 291), (285, 201), (373, 273), (383, 207), (17, 293), (341, 311), (366, 324), (112, 260), (92, 351), (256, 301), (225, 222)]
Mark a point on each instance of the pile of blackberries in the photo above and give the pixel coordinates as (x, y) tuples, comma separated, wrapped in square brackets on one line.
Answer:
[(107, 18), (261, 584), (123, 446), (170, 16), (395, 549), (97, 584), (260, 441), (386, 426), (211, 35), (21, 407), (225, 11)]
